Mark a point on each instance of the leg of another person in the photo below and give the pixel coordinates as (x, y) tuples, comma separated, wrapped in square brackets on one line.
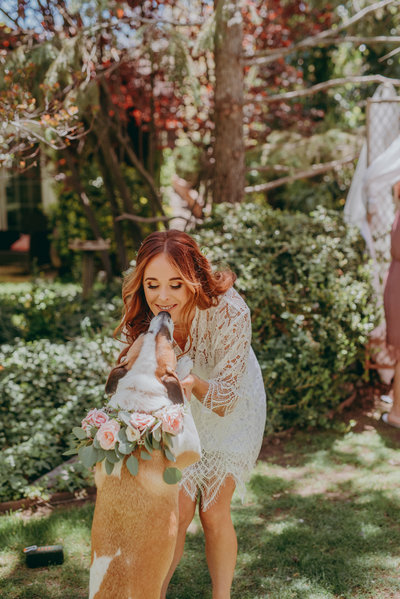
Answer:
[(221, 542), (187, 508), (394, 415)]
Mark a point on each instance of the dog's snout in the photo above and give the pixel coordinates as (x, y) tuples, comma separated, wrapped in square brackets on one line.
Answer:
[(162, 323)]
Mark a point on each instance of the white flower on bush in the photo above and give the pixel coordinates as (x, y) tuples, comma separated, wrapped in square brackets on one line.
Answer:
[(107, 434), (171, 419), (94, 418)]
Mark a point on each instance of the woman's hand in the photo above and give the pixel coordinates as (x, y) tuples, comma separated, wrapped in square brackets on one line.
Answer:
[(187, 385), (194, 384)]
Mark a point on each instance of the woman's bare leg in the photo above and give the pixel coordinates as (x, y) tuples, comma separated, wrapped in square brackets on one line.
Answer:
[(187, 508), (221, 542), (394, 415)]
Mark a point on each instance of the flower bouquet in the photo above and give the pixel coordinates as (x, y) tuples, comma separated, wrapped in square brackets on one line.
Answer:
[(110, 435)]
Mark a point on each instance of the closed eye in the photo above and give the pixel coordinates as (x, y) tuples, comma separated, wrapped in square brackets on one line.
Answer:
[(178, 286)]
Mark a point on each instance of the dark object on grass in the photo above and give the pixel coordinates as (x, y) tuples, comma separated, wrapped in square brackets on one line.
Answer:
[(38, 557)]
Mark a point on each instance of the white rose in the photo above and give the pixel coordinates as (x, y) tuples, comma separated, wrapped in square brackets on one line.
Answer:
[(132, 434)]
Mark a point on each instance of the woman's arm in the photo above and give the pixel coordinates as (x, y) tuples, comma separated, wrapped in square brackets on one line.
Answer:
[(194, 384), (231, 342)]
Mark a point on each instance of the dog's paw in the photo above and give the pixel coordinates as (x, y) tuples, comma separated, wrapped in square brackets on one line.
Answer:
[(184, 367)]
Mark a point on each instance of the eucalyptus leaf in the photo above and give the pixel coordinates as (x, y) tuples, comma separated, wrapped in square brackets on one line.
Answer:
[(148, 445), (156, 434), (156, 444), (88, 455), (125, 417), (133, 465), (79, 432), (109, 467), (167, 438), (101, 454), (144, 455), (122, 436), (172, 476), (118, 453), (111, 457), (169, 455), (96, 443), (125, 448), (70, 452)]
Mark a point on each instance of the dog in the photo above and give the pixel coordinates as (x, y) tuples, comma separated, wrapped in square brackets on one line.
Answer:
[(135, 522)]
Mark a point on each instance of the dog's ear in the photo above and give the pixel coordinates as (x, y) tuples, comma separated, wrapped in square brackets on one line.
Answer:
[(173, 387), (117, 373)]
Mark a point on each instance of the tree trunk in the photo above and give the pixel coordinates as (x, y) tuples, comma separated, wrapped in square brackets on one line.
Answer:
[(229, 171), (90, 215), (117, 225), (113, 165)]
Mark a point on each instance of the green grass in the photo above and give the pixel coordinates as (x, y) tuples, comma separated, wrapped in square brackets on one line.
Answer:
[(320, 521)]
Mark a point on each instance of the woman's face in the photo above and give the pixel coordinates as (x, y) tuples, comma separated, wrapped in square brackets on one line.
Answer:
[(164, 288)]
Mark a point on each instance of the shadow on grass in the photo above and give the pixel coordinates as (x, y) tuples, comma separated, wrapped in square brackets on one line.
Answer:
[(71, 528), (314, 546), (292, 545)]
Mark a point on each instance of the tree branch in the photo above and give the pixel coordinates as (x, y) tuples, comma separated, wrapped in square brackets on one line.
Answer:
[(389, 55), (5, 13), (300, 93), (149, 219), (316, 169), (328, 33), (148, 21), (268, 56)]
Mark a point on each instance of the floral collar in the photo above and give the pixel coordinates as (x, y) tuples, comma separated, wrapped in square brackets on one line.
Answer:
[(111, 435)]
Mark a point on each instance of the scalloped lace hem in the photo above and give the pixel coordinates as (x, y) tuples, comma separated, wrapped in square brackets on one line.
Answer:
[(205, 478)]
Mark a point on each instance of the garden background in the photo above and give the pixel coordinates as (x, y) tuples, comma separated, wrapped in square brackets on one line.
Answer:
[(242, 123)]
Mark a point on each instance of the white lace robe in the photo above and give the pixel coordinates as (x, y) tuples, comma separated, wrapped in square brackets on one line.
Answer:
[(222, 355)]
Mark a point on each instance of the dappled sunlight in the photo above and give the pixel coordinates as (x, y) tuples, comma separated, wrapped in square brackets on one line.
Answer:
[(323, 525)]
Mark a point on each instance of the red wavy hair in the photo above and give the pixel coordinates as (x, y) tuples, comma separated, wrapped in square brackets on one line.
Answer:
[(205, 285)]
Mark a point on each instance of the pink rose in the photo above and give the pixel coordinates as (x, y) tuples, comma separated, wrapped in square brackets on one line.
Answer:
[(107, 434), (141, 421), (94, 418), (171, 419)]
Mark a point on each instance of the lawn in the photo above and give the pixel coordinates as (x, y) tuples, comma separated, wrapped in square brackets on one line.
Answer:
[(320, 521)]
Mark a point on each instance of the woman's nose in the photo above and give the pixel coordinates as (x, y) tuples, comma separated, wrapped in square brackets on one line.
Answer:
[(163, 293)]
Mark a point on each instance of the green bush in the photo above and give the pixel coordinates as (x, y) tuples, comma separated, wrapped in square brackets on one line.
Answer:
[(305, 282), (46, 389), (56, 352), (55, 310)]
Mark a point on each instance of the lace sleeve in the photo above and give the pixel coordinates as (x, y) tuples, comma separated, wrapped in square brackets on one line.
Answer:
[(231, 332)]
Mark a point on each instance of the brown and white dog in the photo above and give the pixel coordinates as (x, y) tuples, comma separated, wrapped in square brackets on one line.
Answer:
[(135, 521)]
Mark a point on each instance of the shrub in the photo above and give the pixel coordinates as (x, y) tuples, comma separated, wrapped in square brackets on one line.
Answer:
[(55, 310), (46, 389), (305, 282)]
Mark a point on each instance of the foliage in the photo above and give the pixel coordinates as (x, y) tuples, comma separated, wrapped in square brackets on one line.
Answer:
[(56, 350), (311, 304), (68, 220), (45, 388), (55, 311), (288, 152)]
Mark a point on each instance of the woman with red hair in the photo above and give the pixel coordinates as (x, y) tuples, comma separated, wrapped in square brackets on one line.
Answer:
[(212, 327)]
